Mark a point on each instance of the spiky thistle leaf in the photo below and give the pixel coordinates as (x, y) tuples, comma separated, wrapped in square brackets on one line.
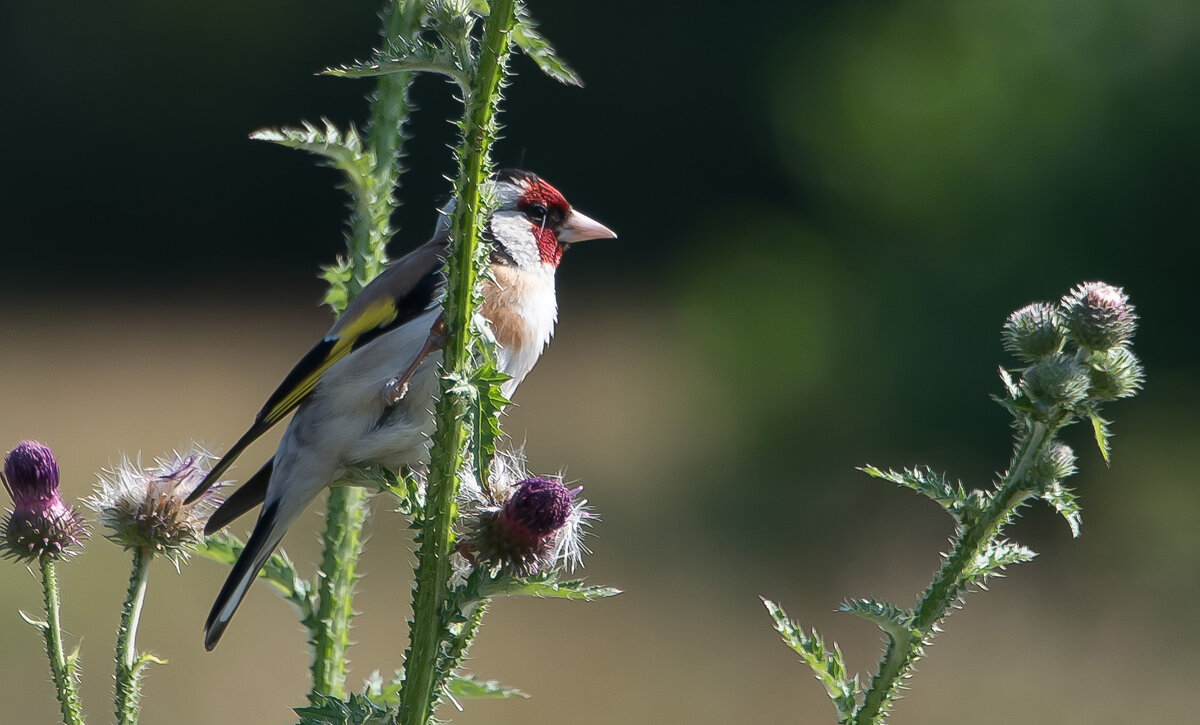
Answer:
[(1100, 430), (539, 50), (470, 688), (547, 586), (484, 411), (887, 616), (344, 151), (828, 665), (330, 710), (994, 558), (369, 200), (417, 56), (952, 497), (1063, 500)]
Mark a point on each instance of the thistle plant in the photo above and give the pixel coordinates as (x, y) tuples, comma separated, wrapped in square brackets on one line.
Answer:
[(1075, 356), (143, 511), (41, 527)]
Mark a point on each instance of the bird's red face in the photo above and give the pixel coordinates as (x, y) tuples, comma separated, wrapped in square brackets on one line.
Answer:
[(534, 221), (546, 208)]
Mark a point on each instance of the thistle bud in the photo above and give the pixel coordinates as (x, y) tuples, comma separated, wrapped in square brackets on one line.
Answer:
[(1055, 462), (1099, 316), (1034, 332), (1115, 373), (1057, 380), (537, 526), (40, 523), (143, 508)]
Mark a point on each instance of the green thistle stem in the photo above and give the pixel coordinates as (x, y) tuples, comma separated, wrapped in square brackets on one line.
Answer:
[(62, 668), (129, 665), (346, 507), (947, 586), (428, 629), (346, 512)]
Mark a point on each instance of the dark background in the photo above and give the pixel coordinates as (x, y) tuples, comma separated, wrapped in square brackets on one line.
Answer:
[(826, 211)]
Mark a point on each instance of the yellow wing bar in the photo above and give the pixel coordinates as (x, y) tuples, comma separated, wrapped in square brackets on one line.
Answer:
[(308, 372)]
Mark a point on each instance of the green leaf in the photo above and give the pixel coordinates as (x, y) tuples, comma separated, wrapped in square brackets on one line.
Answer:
[(347, 153), (1010, 385), (1100, 429), (145, 659), (330, 710), (373, 477), (73, 658), (487, 403), (539, 50), (887, 616), (547, 586), (1063, 500), (418, 57), (952, 497), (828, 665), (385, 695), (338, 275), (342, 151), (470, 688), (408, 492), (995, 557)]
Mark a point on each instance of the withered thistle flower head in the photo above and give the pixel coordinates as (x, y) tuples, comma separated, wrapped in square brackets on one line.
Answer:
[(1099, 316), (1034, 332), (40, 523), (534, 524), (143, 508)]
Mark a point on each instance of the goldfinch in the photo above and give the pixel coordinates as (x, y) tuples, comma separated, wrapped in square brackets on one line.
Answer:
[(363, 394)]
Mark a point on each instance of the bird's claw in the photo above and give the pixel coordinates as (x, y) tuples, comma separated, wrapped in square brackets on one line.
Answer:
[(395, 390)]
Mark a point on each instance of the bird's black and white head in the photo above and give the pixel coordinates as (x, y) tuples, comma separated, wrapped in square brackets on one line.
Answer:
[(533, 222)]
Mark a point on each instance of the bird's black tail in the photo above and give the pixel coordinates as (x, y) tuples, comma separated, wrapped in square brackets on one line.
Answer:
[(226, 461), (252, 493), (263, 541)]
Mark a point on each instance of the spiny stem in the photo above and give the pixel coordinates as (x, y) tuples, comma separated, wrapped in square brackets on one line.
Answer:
[(346, 512), (62, 668), (947, 585), (346, 507), (390, 107), (128, 676), (945, 588), (420, 691)]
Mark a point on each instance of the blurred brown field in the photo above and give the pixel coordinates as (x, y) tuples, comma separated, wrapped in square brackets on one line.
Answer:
[(1096, 631)]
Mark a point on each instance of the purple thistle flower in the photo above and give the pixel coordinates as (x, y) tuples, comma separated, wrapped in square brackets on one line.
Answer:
[(536, 525), (540, 507), (40, 523), (1099, 316)]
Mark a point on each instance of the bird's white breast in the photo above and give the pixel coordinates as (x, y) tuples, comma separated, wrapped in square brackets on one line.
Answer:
[(521, 307)]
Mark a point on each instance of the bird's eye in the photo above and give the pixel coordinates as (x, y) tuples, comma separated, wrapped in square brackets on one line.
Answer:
[(537, 211)]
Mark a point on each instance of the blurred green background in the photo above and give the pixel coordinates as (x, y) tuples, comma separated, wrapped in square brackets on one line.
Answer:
[(826, 210)]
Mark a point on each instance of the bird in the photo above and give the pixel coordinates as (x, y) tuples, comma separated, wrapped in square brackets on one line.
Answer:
[(363, 394)]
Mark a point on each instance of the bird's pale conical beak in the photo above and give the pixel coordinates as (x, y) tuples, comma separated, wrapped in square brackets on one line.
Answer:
[(579, 227)]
